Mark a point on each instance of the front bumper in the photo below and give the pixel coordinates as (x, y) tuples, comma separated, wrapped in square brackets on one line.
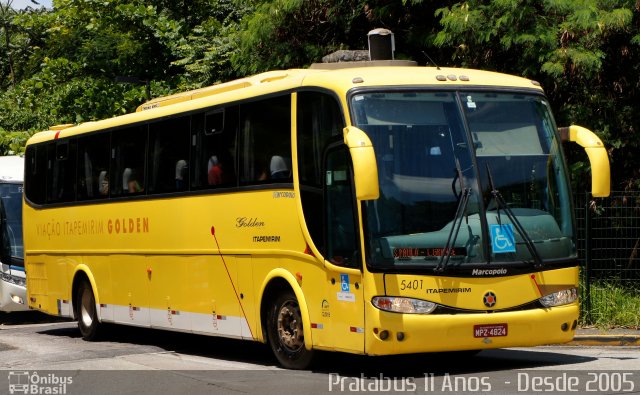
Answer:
[(407, 333)]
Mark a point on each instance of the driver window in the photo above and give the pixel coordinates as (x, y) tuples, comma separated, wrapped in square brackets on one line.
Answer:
[(342, 240)]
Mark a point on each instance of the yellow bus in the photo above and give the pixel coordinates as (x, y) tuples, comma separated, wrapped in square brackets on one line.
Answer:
[(371, 210)]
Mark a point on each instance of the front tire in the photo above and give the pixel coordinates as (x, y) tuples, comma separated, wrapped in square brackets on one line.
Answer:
[(285, 332), (86, 312)]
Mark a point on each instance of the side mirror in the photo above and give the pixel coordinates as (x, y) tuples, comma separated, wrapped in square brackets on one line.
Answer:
[(365, 169), (598, 157)]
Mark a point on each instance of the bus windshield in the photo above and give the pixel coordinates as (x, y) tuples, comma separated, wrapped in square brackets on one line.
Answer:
[(465, 178), (11, 213)]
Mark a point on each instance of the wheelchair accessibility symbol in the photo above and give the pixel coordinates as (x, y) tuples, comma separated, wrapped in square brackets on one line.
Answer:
[(344, 283), (502, 239)]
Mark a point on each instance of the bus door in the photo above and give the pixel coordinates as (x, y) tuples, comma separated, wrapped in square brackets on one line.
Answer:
[(344, 303)]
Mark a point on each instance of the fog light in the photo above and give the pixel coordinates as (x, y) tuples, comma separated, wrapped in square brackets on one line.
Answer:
[(17, 299), (564, 327), (400, 336), (384, 335)]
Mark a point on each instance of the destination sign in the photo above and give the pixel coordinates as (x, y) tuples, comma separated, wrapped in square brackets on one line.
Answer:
[(408, 252)]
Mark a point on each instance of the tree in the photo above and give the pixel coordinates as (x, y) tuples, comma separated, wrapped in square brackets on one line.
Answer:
[(282, 34), (583, 51), (61, 63)]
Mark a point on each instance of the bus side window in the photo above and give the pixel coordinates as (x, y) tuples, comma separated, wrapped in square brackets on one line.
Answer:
[(36, 173), (169, 155), (213, 148), (266, 135), (61, 160), (93, 166), (128, 154)]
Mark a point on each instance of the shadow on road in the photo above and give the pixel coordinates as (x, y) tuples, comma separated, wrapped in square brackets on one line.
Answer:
[(412, 365), (27, 317)]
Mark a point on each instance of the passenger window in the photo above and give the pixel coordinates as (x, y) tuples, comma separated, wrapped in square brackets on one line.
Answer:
[(93, 166), (36, 173), (61, 171), (213, 140), (169, 155), (128, 153), (266, 141)]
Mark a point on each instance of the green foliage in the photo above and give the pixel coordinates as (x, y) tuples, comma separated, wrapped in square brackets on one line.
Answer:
[(612, 305), (64, 61), (283, 34), (585, 52), (205, 53), (58, 66), (12, 143)]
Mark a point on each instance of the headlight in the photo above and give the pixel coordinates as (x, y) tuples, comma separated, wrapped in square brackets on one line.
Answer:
[(403, 305), (560, 298)]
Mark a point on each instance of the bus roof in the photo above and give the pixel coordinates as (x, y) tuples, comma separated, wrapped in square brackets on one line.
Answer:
[(11, 169), (339, 80)]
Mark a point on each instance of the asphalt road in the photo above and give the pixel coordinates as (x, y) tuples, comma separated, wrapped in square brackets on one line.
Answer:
[(50, 357)]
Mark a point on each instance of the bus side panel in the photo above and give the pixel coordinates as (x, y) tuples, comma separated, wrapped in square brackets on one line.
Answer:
[(247, 295), (167, 277), (211, 297), (130, 287), (48, 285)]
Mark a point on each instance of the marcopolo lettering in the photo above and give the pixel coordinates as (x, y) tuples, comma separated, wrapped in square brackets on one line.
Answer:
[(489, 272)]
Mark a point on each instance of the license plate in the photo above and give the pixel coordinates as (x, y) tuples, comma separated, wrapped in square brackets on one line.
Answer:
[(495, 330)]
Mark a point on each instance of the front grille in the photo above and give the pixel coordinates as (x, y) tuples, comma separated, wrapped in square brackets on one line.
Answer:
[(451, 310)]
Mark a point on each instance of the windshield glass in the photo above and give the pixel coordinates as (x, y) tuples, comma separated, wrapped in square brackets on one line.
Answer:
[(433, 146), (11, 210)]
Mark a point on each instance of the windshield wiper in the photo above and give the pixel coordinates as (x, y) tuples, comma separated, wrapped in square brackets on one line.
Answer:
[(457, 220), (514, 220)]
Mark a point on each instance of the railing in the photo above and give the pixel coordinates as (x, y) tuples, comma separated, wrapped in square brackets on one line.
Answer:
[(608, 241)]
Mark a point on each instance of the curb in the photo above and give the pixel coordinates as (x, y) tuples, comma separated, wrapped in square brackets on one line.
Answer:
[(605, 340)]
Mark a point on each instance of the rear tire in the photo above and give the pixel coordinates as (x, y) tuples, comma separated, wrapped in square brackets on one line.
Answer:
[(285, 332), (86, 312)]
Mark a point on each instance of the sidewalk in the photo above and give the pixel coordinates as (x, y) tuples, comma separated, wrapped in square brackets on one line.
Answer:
[(606, 337)]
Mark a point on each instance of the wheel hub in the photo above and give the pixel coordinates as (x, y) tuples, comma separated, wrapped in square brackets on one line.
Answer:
[(290, 327)]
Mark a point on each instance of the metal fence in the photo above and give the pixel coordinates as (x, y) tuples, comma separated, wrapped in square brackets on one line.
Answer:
[(608, 240)]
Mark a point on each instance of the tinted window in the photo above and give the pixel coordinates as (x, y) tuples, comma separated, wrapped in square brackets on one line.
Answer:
[(61, 171), (128, 152), (342, 240), (36, 168), (266, 141), (213, 139), (318, 120), (169, 155), (93, 166)]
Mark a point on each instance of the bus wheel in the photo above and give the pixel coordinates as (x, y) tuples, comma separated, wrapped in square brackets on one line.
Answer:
[(286, 334), (86, 312)]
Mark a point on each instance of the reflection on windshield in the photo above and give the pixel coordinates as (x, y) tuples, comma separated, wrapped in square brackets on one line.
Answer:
[(11, 195), (418, 136)]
